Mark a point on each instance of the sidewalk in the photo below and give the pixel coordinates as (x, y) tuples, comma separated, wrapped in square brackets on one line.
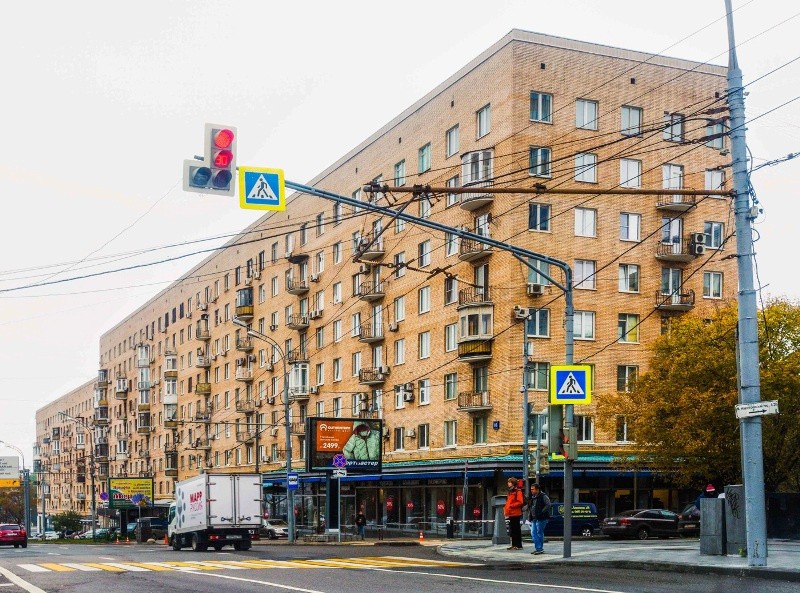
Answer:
[(783, 561)]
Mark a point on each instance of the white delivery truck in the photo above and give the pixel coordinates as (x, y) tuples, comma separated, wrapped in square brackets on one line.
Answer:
[(215, 510)]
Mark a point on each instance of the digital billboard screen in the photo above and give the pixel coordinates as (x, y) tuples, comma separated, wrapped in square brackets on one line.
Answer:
[(352, 444)]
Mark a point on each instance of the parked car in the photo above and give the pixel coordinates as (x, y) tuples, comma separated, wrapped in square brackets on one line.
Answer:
[(100, 533), (641, 523), (13, 534), (275, 528), (51, 535), (689, 521), (584, 519)]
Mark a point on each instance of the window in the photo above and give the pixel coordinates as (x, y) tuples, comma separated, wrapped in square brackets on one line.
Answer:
[(476, 167), (424, 158), (303, 234), (672, 178), (715, 179), (337, 252), (450, 386), (424, 391), (424, 207), (400, 173), (355, 361), (673, 127), (337, 330), (400, 264), (358, 197), (424, 253), (399, 225), (274, 286), (584, 274), (337, 407), (319, 373), (400, 308), (586, 114), (631, 124), (585, 426), (585, 222), (337, 369), (537, 375), (624, 432), (479, 432), (628, 278), (629, 226), (337, 213), (626, 375), (541, 107), (451, 141), (452, 198), (715, 132), (535, 270), (630, 173), (355, 325), (450, 433), (483, 121), (628, 328), (424, 345), (586, 167), (450, 244), (399, 438), (539, 161), (319, 261), (423, 436), (424, 299), (538, 324), (712, 285), (539, 217), (583, 325), (715, 233), (450, 290), (320, 224), (400, 351), (450, 337)]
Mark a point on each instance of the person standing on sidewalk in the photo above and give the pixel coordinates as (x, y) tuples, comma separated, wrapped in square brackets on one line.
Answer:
[(538, 515), (361, 524), (513, 512)]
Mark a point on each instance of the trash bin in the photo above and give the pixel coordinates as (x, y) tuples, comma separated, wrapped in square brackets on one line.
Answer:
[(500, 535), (712, 527), (451, 528)]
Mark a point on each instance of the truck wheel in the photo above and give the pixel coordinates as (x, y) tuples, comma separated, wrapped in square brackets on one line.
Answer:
[(237, 546), (176, 542), (197, 544), (246, 546)]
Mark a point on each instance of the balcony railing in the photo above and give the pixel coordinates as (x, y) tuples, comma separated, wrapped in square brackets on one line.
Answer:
[(470, 401), (244, 344), (370, 250), (475, 351), (297, 355), (676, 203), (676, 301), (246, 407), (244, 374), (677, 251), (370, 332), (473, 297), (245, 436), (296, 287), (372, 375), (297, 322), (470, 249), (371, 291)]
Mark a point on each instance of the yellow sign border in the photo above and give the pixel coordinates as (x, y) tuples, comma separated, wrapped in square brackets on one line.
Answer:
[(586, 399), (280, 207)]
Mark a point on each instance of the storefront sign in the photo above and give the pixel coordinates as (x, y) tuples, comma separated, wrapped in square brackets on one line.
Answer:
[(476, 512), (459, 498), (390, 504), (440, 507), (410, 505)]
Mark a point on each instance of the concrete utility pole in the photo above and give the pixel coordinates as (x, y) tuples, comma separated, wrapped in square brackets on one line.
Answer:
[(748, 360)]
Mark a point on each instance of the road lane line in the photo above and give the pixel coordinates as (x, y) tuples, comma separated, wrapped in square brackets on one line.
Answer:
[(56, 567), (33, 568), (268, 583), (128, 567), (220, 565), (104, 566), (82, 567), (23, 584)]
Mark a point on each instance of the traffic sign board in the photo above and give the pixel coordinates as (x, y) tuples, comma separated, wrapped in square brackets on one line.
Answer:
[(262, 189), (570, 384), (293, 480), (9, 483), (339, 473), (757, 409)]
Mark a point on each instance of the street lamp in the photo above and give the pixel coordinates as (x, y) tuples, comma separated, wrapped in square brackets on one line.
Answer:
[(289, 492), (82, 422), (26, 493)]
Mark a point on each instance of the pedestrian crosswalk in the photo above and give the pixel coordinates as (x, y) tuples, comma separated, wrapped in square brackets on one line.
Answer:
[(363, 562)]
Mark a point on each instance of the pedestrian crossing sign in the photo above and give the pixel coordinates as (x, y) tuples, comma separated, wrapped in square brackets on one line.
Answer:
[(262, 189), (570, 384)]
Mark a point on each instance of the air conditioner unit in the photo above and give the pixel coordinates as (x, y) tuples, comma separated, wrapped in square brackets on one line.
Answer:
[(203, 306), (363, 407), (273, 327), (314, 277), (273, 432), (265, 459), (385, 370), (313, 389), (535, 289), (393, 327), (408, 396), (697, 238), (259, 403), (408, 387), (257, 275), (386, 432), (520, 313), (315, 314), (363, 269), (697, 248), (412, 434), (271, 400), (213, 299), (189, 315)]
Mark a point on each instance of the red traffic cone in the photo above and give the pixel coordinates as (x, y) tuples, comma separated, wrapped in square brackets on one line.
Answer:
[(421, 537)]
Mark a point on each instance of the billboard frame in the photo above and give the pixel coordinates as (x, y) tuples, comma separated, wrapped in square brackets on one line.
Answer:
[(333, 440)]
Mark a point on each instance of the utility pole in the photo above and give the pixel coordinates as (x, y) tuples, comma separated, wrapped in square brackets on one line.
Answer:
[(747, 339)]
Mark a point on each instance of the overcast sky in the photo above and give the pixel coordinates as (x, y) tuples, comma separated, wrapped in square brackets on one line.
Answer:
[(101, 102)]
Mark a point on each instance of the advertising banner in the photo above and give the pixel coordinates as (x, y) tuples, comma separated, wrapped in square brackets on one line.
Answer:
[(9, 472), (128, 493), (353, 444)]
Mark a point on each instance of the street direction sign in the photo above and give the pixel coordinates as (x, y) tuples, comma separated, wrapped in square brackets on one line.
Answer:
[(339, 473), (9, 472), (262, 189), (570, 384), (756, 409), (294, 480)]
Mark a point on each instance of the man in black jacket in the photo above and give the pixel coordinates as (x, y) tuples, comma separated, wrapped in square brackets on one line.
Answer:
[(538, 515)]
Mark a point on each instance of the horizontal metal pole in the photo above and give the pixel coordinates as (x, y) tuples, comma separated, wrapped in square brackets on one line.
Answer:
[(478, 189)]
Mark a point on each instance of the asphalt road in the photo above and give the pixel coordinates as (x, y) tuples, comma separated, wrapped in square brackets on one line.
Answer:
[(56, 568)]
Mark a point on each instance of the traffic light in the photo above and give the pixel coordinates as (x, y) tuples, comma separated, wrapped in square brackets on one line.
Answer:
[(571, 443), (555, 429), (215, 174)]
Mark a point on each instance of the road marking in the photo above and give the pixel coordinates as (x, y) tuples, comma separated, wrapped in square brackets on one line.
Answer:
[(33, 568), (128, 567), (268, 583), (81, 567), (57, 567), (221, 565), (104, 566), (20, 582)]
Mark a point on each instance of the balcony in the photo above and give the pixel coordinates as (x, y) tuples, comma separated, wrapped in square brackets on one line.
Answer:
[(297, 287), (371, 291), (171, 472), (297, 322), (121, 389), (144, 453), (369, 249), (145, 474), (244, 374), (80, 496), (373, 375), (297, 355), (56, 434), (170, 373), (101, 419), (470, 250), (202, 333), (677, 251), (370, 332), (102, 378), (298, 428), (475, 351), (171, 449), (246, 407), (473, 297), (203, 388), (143, 429), (676, 301), (299, 395), (203, 414), (244, 344), (477, 199), (202, 444), (469, 401), (121, 457), (202, 362), (245, 436), (170, 422), (676, 203), (143, 407)]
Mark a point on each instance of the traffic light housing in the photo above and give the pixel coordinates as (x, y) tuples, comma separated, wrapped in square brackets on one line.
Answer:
[(571, 443), (216, 173), (555, 429)]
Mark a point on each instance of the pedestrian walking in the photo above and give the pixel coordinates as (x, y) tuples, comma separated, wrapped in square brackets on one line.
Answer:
[(513, 512), (538, 514), (361, 524)]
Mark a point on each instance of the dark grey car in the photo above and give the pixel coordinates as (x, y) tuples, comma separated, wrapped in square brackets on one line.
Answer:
[(641, 524)]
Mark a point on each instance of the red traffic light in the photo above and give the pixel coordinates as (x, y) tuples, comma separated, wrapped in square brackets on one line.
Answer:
[(223, 138), (223, 159)]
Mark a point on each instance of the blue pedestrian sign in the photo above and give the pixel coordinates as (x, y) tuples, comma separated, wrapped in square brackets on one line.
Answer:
[(261, 189), (293, 480), (570, 384)]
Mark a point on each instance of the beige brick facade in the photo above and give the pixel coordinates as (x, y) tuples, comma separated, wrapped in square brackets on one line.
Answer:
[(165, 329)]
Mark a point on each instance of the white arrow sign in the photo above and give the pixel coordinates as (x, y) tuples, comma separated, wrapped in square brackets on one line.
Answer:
[(757, 409)]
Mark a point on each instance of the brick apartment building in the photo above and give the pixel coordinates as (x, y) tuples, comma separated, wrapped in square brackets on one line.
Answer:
[(385, 319)]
